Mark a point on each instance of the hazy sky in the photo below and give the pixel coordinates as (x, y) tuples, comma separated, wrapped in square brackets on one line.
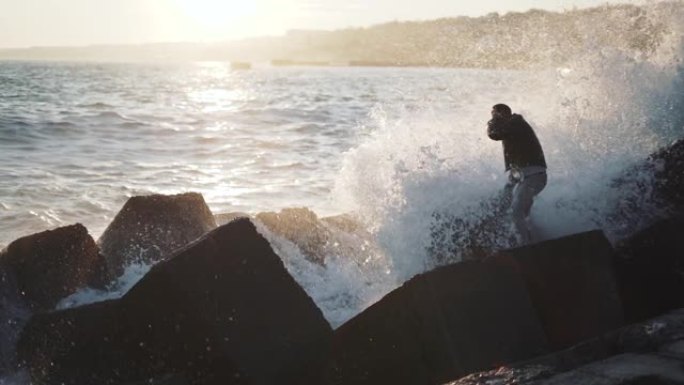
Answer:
[(26, 23)]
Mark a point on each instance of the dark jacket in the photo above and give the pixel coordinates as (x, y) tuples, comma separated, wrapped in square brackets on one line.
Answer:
[(520, 145)]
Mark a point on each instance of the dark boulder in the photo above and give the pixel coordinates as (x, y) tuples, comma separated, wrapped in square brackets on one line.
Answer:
[(53, 264), (668, 169), (75, 346), (648, 353), (572, 286), (14, 313), (344, 222), (439, 325), (625, 369), (302, 227), (221, 310), (650, 270), (650, 191), (149, 227), (319, 238), (223, 218)]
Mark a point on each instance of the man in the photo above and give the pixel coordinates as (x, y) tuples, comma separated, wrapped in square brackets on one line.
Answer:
[(524, 159)]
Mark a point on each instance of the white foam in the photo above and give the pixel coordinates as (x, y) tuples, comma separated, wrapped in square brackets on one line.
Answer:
[(351, 279), (131, 275), (595, 118)]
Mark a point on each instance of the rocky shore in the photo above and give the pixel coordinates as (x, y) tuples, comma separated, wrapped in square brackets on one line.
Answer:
[(220, 307)]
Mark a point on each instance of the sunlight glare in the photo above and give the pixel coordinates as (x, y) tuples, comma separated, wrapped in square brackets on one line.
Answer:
[(214, 14)]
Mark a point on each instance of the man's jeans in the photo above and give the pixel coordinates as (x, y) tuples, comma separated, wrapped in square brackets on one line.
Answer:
[(520, 192)]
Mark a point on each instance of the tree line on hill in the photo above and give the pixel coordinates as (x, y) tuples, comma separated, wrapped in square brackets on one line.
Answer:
[(532, 39)]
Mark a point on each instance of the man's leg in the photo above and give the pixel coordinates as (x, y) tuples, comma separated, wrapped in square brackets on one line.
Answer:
[(523, 197), (506, 194)]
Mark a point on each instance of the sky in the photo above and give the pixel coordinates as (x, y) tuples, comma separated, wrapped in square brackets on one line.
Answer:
[(26, 23)]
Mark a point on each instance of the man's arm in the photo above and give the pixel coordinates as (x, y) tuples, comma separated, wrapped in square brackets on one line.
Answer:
[(497, 129)]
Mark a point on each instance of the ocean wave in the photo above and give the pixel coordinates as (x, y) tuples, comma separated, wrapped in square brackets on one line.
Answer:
[(110, 115), (96, 105), (597, 116)]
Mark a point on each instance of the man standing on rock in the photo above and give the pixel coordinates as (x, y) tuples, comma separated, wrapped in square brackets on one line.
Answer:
[(524, 159)]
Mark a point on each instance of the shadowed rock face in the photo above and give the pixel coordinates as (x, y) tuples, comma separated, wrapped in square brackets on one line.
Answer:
[(437, 326), (221, 310), (650, 270), (14, 313), (36, 272), (149, 227), (571, 284), (455, 319), (648, 353), (650, 191), (668, 166), (53, 264)]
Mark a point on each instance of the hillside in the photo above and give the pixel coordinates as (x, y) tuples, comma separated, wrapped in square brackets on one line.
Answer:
[(534, 38)]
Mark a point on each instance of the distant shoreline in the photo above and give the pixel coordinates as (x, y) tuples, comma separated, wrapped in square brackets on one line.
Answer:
[(243, 65), (533, 39)]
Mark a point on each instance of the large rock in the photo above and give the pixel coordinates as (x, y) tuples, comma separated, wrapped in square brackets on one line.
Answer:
[(625, 369), (14, 312), (571, 283), (668, 169), (319, 238), (76, 345), (650, 270), (53, 264), (439, 325), (648, 192), (222, 310), (150, 227), (648, 353), (224, 218), (345, 222), (300, 226)]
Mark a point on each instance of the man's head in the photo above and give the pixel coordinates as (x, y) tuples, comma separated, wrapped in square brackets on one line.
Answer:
[(501, 111)]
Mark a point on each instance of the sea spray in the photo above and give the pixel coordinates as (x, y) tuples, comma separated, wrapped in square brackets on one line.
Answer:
[(131, 275), (596, 117), (354, 274)]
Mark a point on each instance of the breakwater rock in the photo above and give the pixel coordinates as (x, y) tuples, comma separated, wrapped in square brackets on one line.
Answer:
[(50, 265), (221, 310), (649, 353), (474, 315), (150, 227), (224, 309), (219, 306)]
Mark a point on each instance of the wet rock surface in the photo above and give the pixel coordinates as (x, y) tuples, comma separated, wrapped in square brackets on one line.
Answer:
[(649, 353), (571, 285), (53, 264), (302, 227), (650, 191), (517, 304), (150, 227), (650, 270), (221, 310), (14, 312), (438, 325)]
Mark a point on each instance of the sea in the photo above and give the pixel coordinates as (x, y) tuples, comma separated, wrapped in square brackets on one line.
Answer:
[(389, 146)]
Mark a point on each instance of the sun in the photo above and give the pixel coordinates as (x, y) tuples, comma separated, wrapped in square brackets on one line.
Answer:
[(216, 14)]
